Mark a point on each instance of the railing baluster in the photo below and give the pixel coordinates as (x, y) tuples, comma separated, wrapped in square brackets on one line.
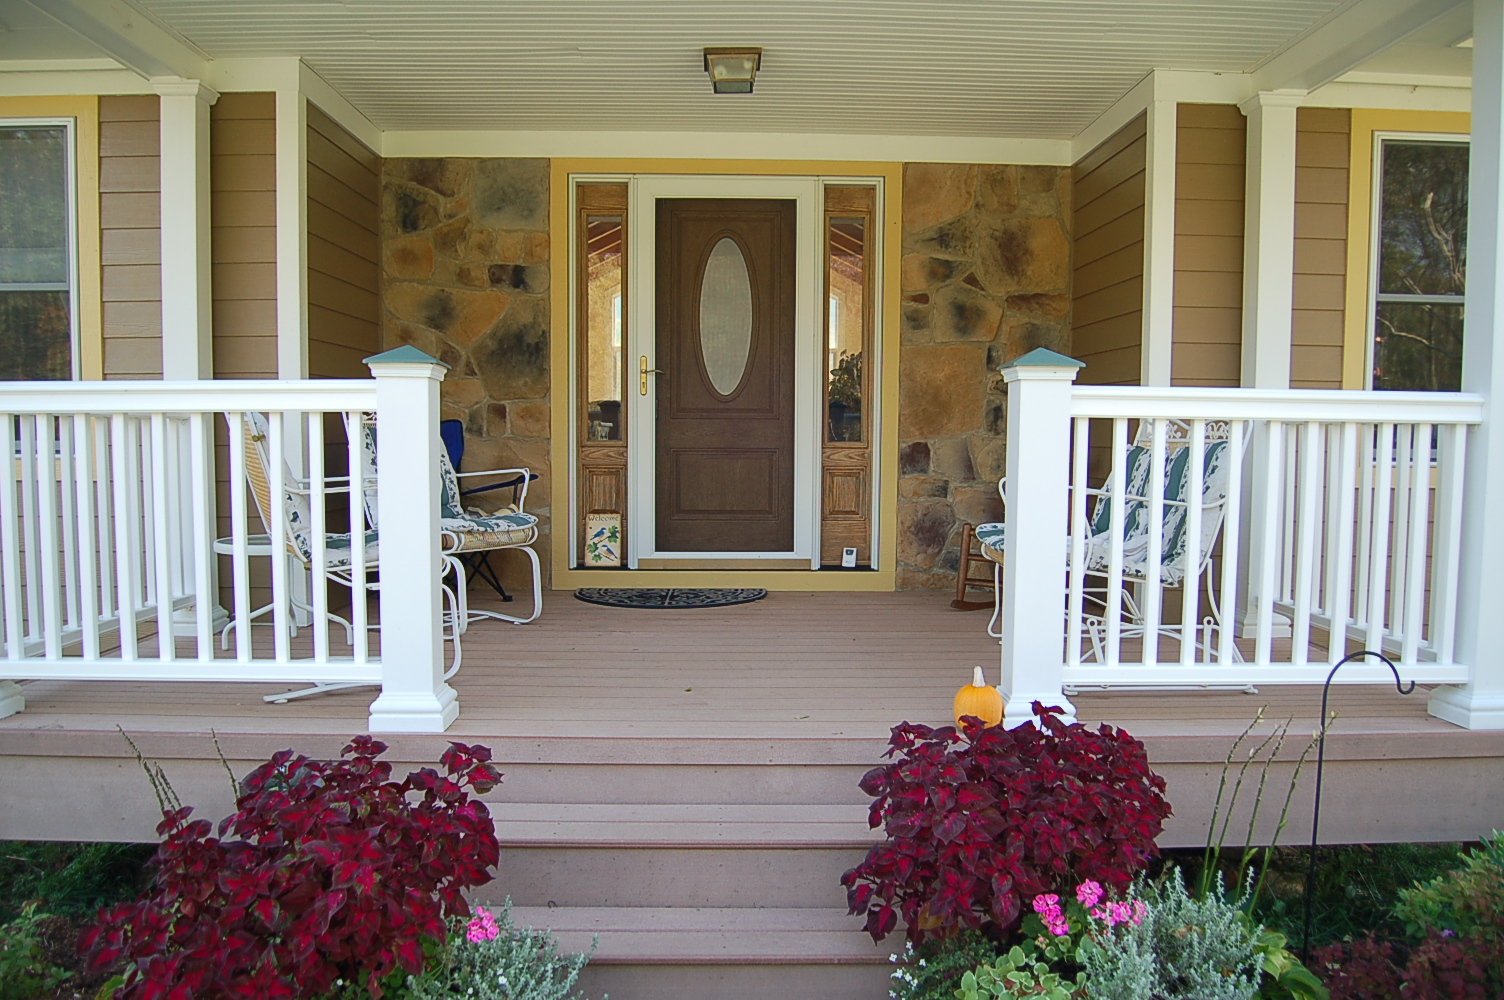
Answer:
[(1118, 498), (1272, 541), (143, 514), (240, 577), (1451, 464), (1340, 571), (281, 593), (10, 542), (355, 425), (1154, 549), (1364, 527), (87, 540), (162, 524), (1080, 449), (69, 518), (1287, 536), (29, 542), (1190, 584), (201, 469), (104, 528), (1308, 498), (317, 526), (1399, 557), (1379, 545), (1232, 531), (127, 553), (1419, 528), (47, 539)]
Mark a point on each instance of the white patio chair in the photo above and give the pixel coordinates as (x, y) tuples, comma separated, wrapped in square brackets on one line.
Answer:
[(1173, 557), (467, 530), (338, 553)]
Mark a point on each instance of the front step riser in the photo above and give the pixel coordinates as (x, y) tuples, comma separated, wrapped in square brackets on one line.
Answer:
[(758, 877), (737, 982)]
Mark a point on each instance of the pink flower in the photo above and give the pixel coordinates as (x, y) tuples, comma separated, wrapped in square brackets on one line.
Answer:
[(482, 926), (1139, 909), (1089, 893), (1046, 903)]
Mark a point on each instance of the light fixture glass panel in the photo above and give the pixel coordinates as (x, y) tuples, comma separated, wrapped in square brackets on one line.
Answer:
[(726, 316), (603, 327), (845, 326)]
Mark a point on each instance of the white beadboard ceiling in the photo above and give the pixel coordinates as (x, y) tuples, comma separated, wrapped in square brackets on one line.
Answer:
[(1036, 68)]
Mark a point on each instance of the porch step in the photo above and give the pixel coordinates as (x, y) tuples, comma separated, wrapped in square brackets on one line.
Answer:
[(538, 824), (668, 953)]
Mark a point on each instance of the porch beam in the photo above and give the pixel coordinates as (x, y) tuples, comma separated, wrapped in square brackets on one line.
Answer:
[(187, 267), (1362, 30), (132, 37), (1479, 704)]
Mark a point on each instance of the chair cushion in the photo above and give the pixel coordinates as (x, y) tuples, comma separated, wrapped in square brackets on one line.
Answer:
[(991, 536), (474, 532)]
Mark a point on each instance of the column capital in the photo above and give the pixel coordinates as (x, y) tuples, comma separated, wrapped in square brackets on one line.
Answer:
[(175, 87), (1272, 99)]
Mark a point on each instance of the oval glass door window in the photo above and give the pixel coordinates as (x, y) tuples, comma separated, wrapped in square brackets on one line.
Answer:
[(726, 316)]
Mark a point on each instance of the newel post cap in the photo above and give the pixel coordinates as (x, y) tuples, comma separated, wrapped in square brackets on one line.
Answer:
[(1042, 363), (406, 360)]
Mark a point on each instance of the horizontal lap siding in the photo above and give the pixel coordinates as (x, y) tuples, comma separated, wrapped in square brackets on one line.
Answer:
[(344, 190), (1321, 178), (243, 184), (130, 236), (1107, 281), (1210, 156)]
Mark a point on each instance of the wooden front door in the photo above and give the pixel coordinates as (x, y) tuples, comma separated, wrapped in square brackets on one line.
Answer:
[(725, 347)]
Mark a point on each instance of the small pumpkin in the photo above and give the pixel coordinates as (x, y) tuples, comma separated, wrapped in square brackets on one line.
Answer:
[(979, 699)]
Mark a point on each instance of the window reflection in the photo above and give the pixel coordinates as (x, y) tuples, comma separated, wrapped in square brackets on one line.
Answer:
[(603, 327), (36, 328), (845, 325)]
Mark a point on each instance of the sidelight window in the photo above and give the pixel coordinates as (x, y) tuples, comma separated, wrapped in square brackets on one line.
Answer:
[(38, 314)]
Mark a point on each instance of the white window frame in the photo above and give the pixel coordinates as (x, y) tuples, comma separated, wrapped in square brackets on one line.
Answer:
[(1375, 235)]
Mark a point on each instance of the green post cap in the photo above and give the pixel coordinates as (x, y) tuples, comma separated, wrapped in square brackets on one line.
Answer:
[(1043, 357), (406, 354)]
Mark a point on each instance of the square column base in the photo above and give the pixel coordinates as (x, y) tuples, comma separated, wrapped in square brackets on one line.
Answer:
[(1467, 708), (11, 699), (394, 712), (1020, 707)]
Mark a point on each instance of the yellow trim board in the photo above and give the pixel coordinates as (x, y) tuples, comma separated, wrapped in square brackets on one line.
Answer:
[(885, 472), (1365, 122), (84, 110)]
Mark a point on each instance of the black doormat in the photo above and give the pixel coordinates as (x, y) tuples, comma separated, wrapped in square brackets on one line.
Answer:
[(671, 597)]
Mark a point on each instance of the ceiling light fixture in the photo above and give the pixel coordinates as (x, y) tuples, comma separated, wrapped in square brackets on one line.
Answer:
[(732, 70)]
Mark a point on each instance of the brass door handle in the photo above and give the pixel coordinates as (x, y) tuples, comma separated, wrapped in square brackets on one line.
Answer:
[(643, 371)]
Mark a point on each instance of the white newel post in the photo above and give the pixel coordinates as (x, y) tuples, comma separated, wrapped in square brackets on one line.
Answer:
[(1480, 703), (414, 696), (1034, 551), (1268, 298), (187, 268)]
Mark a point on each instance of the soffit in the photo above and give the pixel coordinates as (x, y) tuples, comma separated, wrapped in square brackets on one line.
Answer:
[(1039, 68)]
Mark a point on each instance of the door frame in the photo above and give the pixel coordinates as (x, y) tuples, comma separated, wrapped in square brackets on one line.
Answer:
[(565, 174), (641, 341)]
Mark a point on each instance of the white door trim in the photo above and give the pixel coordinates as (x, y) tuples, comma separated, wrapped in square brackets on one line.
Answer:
[(642, 341)]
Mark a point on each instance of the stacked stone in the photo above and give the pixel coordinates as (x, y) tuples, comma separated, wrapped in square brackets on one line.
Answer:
[(986, 274), (465, 252)]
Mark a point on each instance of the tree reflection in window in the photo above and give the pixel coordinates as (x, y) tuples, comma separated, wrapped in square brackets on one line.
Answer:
[(1422, 266)]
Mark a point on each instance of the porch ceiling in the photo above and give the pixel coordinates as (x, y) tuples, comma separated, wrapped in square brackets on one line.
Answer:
[(1038, 68)]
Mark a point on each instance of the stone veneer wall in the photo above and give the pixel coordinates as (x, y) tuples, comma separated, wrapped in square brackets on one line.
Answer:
[(986, 273), (465, 270)]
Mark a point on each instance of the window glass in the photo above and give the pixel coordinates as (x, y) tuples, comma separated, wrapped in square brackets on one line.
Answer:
[(846, 327), (603, 327), (1422, 265)]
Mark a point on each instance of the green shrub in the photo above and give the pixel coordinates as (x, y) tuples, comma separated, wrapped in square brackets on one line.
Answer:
[(25, 973), (934, 970), (1465, 901), (72, 879), (1183, 948)]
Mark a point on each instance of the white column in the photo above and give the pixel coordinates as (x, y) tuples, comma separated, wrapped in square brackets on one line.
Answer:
[(1156, 356), (292, 231), (414, 696), (187, 306), (1038, 465), (1480, 703), (1269, 239), (1268, 297)]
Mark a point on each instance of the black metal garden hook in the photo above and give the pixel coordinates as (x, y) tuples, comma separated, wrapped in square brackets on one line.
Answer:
[(1326, 691)]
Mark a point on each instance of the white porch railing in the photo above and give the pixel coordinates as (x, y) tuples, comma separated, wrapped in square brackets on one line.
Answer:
[(1326, 522), (111, 543)]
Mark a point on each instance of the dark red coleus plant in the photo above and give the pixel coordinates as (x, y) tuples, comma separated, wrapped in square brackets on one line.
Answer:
[(981, 822), (327, 870)]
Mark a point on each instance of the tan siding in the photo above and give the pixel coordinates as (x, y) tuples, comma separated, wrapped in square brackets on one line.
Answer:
[(1210, 152), (130, 236), (1321, 180), (1107, 283), (344, 289), (243, 181)]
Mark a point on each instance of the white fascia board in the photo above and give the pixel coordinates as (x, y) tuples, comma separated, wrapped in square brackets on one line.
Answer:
[(1178, 86), (72, 83), (1347, 38), (131, 36), (336, 106), (1391, 97), (289, 74), (730, 146)]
